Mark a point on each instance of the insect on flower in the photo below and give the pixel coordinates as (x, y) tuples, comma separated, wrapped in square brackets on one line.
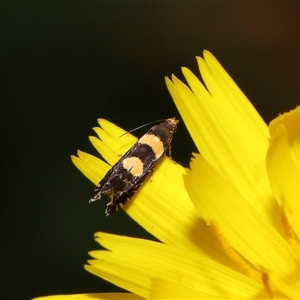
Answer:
[(127, 175)]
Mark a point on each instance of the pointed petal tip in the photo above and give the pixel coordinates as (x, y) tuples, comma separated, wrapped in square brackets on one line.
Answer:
[(168, 80), (99, 120), (207, 53), (185, 70)]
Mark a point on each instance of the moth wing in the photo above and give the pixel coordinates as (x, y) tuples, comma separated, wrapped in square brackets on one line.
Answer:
[(117, 203), (117, 180), (121, 180)]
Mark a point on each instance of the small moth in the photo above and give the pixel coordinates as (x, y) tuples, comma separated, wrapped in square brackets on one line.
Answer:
[(126, 176)]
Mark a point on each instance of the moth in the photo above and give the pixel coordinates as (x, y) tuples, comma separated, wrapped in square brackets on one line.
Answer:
[(127, 175)]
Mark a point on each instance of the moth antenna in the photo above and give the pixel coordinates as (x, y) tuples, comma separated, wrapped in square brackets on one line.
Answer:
[(137, 128)]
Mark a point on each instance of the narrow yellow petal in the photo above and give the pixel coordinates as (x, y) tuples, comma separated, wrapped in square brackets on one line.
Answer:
[(291, 121), (284, 175), (111, 128), (116, 144), (246, 230), (227, 89), (106, 152), (128, 257), (163, 289), (91, 167), (119, 144), (95, 296)]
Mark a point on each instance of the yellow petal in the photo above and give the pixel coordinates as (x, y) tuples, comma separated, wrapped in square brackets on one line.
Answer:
[(284, 174), (95, 296), (113, 130), (227, 130), (162, 289), (246, 230), (116, 138), (91, 167), (163, 208), (291, 121), (133, 263), (117, 142)]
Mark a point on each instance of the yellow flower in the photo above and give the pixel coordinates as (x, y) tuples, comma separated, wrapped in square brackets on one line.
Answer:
[(229, 225)]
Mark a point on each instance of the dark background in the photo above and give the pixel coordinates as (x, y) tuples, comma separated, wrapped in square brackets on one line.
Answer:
[(63, 65)]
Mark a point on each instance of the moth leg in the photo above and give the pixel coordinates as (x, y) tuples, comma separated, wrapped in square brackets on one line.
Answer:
[(151, 176), (169, 152)]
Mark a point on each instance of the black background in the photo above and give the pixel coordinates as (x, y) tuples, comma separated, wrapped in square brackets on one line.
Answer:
[(63, 65)]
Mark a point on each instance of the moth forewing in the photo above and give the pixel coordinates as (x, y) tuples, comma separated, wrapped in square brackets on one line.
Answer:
[(127, 175)]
